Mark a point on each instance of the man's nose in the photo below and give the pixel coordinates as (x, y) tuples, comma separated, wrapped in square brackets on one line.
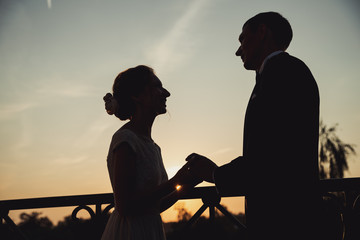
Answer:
[(238, 52)]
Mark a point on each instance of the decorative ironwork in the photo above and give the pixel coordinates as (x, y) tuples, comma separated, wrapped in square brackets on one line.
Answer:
[(343, 193), (81, 207)]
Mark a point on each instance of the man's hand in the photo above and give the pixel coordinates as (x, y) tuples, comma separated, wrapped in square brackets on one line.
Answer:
[(201, 166)]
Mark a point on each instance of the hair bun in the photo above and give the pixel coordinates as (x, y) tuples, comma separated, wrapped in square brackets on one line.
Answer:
[(110, 104)]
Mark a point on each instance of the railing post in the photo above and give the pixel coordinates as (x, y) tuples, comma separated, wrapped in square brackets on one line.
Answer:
[(236, 221), (212, 199), (5, 215), (351, 215), (212, 213), (196, 216)]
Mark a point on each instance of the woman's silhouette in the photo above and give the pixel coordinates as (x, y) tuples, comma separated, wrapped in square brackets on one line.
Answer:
[(138, 177)]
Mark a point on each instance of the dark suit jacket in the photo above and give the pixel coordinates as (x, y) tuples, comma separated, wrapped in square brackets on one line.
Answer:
[(279, 167)]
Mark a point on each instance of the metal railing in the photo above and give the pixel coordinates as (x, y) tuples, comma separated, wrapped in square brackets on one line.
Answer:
[(346, 192)]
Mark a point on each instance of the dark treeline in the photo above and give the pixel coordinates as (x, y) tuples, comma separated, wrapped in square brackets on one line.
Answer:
[(36, 226)]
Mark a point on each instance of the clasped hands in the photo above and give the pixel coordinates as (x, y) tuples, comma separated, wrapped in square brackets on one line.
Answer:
[(197, 169)]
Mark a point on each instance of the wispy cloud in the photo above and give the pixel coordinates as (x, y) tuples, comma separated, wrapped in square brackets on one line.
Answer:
[(91, 136), (166, 52), (220, 152), (64, 89), (49, 4), (19, 149), (9, 110), (42, 96), (69, 160)]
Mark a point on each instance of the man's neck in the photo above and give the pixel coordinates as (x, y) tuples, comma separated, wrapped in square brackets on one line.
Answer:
[(270, 55)]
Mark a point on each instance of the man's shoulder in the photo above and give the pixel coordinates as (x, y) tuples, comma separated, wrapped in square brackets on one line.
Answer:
[(288, 63), (286, 70), (287, 58)]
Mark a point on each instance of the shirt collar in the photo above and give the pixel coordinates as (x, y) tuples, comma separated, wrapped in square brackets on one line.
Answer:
[(267, 58)]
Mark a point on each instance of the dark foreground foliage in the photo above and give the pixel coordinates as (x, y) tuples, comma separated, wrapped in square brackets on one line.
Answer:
[(34, 226)]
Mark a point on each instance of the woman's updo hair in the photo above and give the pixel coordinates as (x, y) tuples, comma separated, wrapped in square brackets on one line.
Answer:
[(128, 84)]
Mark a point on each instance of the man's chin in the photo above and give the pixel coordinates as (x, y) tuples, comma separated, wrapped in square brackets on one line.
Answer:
[(248, 66)]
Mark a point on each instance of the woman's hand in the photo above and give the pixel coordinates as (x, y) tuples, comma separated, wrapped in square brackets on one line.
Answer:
[(185, 176), (202, 167)]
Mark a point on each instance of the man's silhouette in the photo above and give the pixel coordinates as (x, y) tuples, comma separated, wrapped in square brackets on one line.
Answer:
[(279, 167)]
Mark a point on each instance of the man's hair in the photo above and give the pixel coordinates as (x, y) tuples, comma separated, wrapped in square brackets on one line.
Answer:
[(279, 26)]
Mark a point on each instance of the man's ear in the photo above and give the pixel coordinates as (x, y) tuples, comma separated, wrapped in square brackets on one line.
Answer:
[(135, 99), (266, 35), (263, 31)]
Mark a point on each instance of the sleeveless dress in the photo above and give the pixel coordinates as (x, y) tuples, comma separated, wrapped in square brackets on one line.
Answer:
[(150, 172)]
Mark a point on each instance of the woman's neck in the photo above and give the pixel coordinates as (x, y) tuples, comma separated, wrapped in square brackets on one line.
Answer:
[(141, 126)]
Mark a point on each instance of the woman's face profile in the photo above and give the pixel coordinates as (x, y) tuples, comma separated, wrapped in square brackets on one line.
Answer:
[(154, 96)]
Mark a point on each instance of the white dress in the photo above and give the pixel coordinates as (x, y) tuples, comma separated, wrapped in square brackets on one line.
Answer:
[(150, 172)]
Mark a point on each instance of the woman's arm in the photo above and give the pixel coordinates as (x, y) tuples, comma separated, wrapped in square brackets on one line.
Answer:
[(129, 202), (173, 197), (169, 192), (124, 178), (169, 200)]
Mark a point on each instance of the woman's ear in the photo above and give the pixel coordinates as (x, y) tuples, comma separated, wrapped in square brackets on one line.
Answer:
[(135, 99), (138, 99)]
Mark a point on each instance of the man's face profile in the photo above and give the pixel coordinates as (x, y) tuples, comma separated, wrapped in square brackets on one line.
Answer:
[(249, 49)]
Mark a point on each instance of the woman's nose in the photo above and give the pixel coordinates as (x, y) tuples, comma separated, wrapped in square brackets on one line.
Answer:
[(166, 93)]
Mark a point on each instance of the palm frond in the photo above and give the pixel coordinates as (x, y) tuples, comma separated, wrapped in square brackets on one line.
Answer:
[(333, 151)]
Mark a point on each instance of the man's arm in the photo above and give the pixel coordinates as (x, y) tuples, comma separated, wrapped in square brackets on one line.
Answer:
[(233, 175), (225, 177)]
